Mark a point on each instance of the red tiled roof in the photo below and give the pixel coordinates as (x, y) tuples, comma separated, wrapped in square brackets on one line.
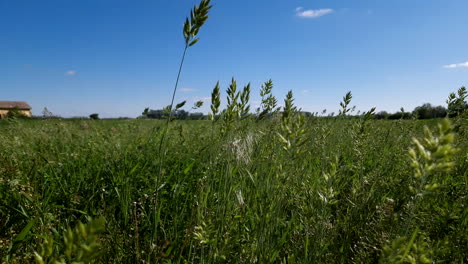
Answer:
[(14, 104)]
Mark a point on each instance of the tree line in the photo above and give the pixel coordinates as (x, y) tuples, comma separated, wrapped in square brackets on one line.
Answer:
[(456, 104), (176, 114)]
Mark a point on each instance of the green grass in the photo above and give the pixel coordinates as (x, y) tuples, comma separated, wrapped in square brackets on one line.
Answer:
[(342, 191)]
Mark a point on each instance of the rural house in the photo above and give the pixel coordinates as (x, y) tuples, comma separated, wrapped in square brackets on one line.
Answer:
[(21, 107)]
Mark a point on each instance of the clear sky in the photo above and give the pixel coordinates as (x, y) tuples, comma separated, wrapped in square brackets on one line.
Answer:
[(116, 57)]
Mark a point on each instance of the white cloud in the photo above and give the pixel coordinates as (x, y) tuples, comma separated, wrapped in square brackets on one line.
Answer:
[(456, 65), (70, 73), (187, 90), (312, 13)]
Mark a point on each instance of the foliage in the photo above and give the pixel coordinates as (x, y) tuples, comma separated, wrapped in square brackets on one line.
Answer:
[(244, 106), (46, 113), (80, 245), (15, 113), (215, 101), (192, 26), (292, 189), (345, 104), (198, 17), (416, 250), (394, 116), (457, 102), (145, 112), (276, 188), (178, 114), (427, 111), (269, 102), (197, 104), (94, 116)]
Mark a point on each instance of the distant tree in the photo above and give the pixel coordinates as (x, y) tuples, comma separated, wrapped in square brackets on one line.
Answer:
[(196, 116), (382, 115), (46, 113), (400, 115), (423, 111), (94, 116), (427, 111), (145, 112), (157, 114), (181, 114), (440, 112)]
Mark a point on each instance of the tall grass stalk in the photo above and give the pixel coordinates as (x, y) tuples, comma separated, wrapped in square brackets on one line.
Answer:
[(192, 26)]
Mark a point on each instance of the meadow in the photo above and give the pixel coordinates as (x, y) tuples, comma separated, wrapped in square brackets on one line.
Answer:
[(285, 189), (271, 186)]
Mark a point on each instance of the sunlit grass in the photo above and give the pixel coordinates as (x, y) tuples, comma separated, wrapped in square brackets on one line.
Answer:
[(342, 194)]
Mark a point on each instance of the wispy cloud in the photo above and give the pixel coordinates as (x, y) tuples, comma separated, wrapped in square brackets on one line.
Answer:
[(187, 90), (456, 65), (312, 13), (70, 73)]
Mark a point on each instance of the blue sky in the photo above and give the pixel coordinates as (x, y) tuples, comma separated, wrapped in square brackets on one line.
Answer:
[(116, 57)]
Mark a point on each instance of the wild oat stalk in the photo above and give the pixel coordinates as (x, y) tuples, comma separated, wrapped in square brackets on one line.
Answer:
[(82, 245), (432, 154), (244, 106), (292, 134), (215, 102), (192, 26), (345, 104), (289, 108), (429, 157), (231, 112), (269, 102), (232, 97), (198, 17), (415, 249)]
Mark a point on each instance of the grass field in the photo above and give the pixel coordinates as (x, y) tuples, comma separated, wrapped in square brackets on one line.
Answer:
[(276, 186), (319, 190)]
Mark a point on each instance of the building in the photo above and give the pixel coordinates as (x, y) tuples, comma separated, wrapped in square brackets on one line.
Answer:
[(7, 106)]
